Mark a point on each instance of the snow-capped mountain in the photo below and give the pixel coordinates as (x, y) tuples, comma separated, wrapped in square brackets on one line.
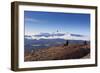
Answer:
[(65, 36)]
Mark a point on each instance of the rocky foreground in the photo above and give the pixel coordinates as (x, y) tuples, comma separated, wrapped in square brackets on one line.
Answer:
[(59, 53)]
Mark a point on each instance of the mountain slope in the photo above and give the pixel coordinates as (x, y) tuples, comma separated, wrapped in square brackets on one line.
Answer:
[(59, 53)]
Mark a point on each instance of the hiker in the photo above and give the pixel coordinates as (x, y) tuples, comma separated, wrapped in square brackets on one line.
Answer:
[(66, 44), (85, 43)]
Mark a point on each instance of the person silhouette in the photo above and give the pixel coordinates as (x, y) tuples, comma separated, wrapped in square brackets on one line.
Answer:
[(67, 42), (85, 42)]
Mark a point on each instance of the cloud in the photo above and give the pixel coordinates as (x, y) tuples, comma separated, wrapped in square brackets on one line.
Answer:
[(32, 20), (59, 35)]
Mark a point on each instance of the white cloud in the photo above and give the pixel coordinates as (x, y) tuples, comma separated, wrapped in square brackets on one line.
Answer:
[(66, 36), (31, 20)]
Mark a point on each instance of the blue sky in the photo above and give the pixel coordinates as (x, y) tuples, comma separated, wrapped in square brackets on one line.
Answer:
[(49, 22)]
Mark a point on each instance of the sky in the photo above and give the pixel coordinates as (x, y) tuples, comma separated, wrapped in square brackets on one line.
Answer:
[(51, 22)]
